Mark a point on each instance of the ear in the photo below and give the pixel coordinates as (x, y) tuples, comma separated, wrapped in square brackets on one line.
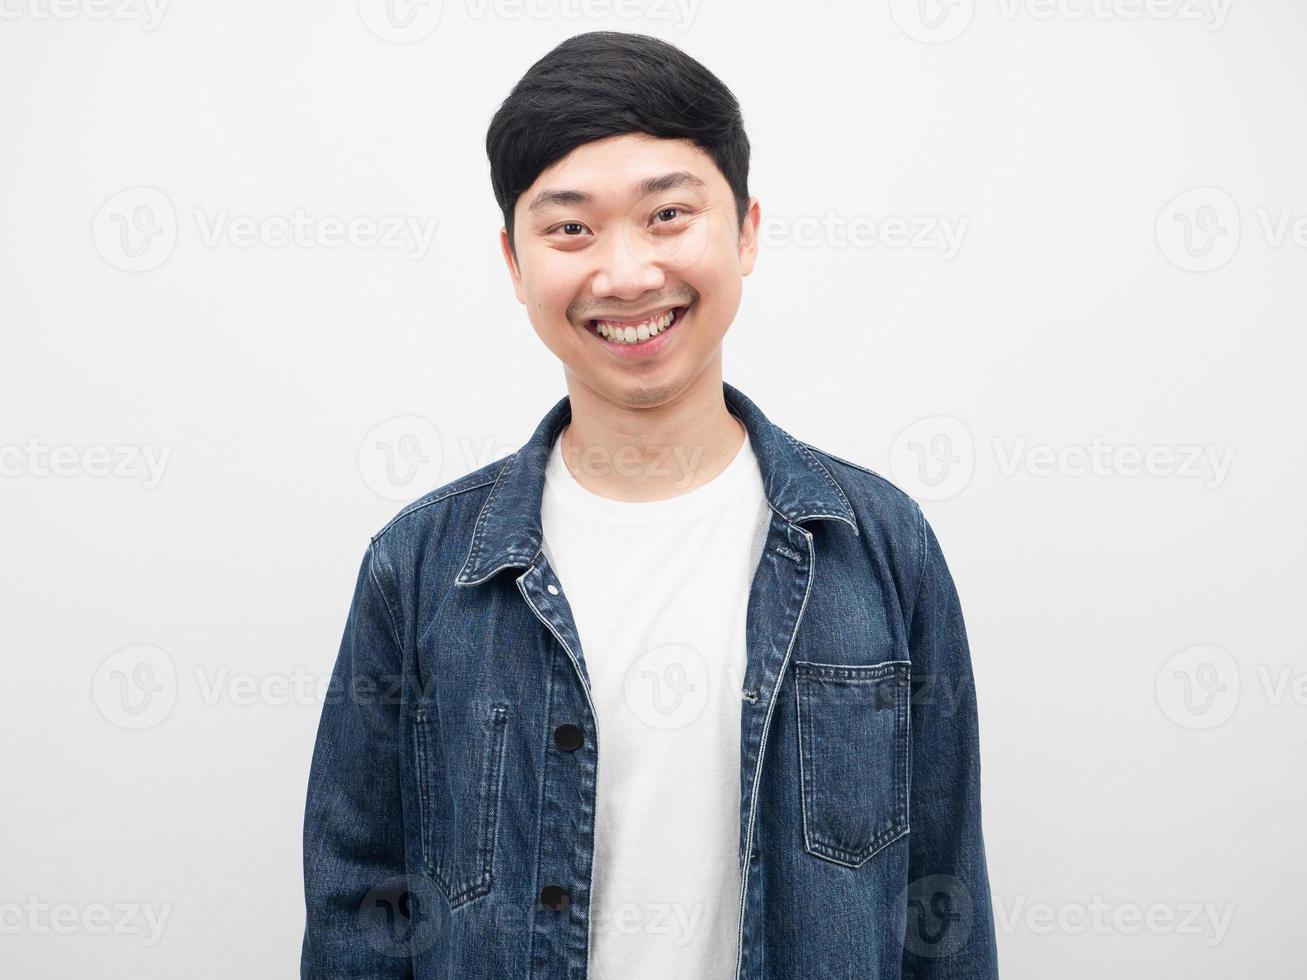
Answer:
[(512, 266), (749, 236)]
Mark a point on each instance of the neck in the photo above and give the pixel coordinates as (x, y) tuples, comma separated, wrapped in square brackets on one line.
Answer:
[(650, 452)]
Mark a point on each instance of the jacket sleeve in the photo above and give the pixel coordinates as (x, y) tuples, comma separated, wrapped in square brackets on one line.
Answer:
[(949, 932), (356, 900)]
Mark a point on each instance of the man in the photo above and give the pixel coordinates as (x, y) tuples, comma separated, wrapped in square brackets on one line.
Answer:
[(667, 693)]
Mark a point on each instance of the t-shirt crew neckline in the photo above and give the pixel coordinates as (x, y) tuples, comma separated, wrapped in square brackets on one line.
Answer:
[(569, 493)]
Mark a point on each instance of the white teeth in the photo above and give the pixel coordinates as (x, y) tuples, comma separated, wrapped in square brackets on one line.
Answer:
[(623, 334)]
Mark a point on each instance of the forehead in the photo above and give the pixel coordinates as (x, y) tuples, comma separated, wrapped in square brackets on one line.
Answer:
[(611, 170)]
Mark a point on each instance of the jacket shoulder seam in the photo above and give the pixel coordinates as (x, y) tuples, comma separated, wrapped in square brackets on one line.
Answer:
[(424, 504), (385, 596), (925, 557), (817, 464), (857, 466)]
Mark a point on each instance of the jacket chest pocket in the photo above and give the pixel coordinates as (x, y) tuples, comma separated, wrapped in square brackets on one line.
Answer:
[(459, 817), (853, 756)]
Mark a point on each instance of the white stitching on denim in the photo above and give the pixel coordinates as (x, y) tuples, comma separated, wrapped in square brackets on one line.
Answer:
[(589, 898), (489, 784), (921, 570), (474, 547), (762, 749), (856, 674), (390, 613), (493, 786), (424, 793), (857, 466), (453, 491), (815, 464)]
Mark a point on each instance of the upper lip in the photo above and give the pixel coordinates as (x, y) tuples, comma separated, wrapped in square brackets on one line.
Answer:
[(639, 317)]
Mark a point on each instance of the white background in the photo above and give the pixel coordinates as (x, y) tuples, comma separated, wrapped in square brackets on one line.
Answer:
[(1094, 299)]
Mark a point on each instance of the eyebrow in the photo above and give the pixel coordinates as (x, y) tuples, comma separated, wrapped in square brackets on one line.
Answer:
[(650, 185)]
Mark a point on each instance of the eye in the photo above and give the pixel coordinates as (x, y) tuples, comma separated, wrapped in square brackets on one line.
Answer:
[(678, 211), (568, 225)]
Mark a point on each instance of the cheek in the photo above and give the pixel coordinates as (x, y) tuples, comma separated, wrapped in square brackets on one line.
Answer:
[(689, 255), (717, 274), (720, 285), (708, 253), (549, 292)]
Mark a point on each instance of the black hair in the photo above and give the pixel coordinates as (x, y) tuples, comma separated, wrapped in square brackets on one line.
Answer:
[(608, 83)]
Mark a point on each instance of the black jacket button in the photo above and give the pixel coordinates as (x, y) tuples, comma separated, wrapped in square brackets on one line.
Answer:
[(568, 737), (554, 897)]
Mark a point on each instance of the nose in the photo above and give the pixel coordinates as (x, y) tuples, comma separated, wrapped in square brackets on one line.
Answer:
[(629, 268)]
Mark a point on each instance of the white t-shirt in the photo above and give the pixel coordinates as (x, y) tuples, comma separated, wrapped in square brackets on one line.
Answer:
[(659, 591)]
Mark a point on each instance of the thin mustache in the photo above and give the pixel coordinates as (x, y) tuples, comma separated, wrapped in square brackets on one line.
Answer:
[(626, 316)]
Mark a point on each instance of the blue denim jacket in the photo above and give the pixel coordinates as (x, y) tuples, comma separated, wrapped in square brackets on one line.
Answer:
[(449, 827)]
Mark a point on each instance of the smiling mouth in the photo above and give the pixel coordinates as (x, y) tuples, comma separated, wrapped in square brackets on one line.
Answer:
[(633, 334)]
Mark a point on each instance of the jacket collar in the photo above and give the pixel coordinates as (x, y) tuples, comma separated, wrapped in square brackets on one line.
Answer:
[(508, 532)]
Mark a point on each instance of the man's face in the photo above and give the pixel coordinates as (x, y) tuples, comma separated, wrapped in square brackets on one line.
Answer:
[(615, 236)]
